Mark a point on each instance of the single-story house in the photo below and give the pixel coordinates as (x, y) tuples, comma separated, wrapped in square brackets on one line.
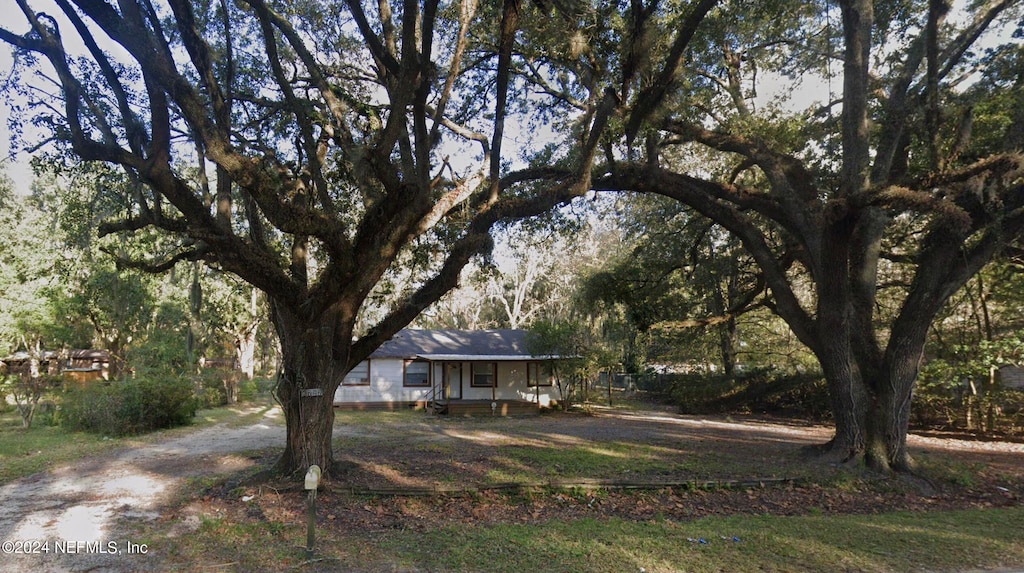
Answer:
[(453, 372)]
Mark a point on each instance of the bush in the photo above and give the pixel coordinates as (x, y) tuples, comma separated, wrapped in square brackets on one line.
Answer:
[(963, 396), (760, 391), (249, 390), (28, 393), (130, 407), (211, 392)]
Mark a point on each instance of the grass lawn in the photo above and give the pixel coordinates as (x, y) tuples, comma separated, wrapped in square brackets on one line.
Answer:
[(25, 452), (893, 542), (946, 541)]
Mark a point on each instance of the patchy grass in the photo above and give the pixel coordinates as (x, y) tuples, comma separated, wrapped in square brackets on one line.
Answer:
[(835, 519), (25, 452), (410, 449), (236, 415), (221, 545), (896, 542), (377, 418), (612, 459)]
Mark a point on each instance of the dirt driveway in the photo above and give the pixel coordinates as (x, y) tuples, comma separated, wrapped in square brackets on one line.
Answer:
[(70, 519), (78, 514)]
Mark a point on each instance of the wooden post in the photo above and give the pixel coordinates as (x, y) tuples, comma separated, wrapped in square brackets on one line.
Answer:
[(312, 482), (311, 525)]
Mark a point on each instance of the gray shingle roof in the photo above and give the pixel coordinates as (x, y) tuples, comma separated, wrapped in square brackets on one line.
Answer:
[(411, 343)]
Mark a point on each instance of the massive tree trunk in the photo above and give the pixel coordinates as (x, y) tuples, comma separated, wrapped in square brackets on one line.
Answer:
[(888, 420), (849, 402), (310, 374)]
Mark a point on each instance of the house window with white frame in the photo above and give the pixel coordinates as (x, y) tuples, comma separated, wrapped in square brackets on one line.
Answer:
[(417, 373), (537, 374), (483, 374), (359, 375)]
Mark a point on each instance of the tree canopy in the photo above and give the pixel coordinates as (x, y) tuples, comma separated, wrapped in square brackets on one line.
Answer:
[(881, 181), (350, 161), (318, 151)]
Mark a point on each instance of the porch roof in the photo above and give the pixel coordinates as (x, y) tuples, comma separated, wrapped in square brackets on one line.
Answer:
[(479, 357)]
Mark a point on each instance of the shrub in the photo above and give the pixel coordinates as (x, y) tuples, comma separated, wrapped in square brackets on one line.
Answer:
[(249, 390), (129, 407), (761, 391), (28, 392), (964, 396), (210, 391), (212, 388)]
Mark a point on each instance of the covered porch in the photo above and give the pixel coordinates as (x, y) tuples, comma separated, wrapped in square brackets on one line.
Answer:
[(494, 385)]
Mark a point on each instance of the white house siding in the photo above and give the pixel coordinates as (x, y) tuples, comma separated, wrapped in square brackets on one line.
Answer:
[(470, 392), (512, 381), (511, 385), (386, 386)]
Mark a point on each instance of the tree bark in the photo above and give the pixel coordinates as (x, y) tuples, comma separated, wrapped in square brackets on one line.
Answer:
[(310, 374), (728, 334), (889, 419), (848, 397)]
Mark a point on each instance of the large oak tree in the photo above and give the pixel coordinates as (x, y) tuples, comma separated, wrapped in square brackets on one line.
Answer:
[(317, 150), (878, 188)]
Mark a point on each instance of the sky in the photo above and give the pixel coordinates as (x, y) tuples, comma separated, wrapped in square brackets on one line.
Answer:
[(15, 165)]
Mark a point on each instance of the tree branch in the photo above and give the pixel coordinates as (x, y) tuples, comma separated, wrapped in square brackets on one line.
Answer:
[(650, 98), (694, 192)]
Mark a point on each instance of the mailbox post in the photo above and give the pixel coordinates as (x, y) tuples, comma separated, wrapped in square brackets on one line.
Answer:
[(312, 483)]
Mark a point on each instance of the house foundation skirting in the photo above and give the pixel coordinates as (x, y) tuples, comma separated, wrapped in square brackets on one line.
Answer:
[(483, 408), (381, 406), (452, 408)]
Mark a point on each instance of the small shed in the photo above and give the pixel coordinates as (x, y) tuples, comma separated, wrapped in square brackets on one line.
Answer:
[(76, 366)]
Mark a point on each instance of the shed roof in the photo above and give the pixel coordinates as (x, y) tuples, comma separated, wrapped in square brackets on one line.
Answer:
[(79, 354), (457, 345)]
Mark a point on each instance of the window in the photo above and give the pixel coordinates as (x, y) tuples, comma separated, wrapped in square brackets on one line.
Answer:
[(537, 374), (417, 373), (483, 374), (359, 375)]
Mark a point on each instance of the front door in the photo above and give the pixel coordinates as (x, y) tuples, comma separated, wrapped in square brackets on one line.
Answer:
[(451, 380)]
